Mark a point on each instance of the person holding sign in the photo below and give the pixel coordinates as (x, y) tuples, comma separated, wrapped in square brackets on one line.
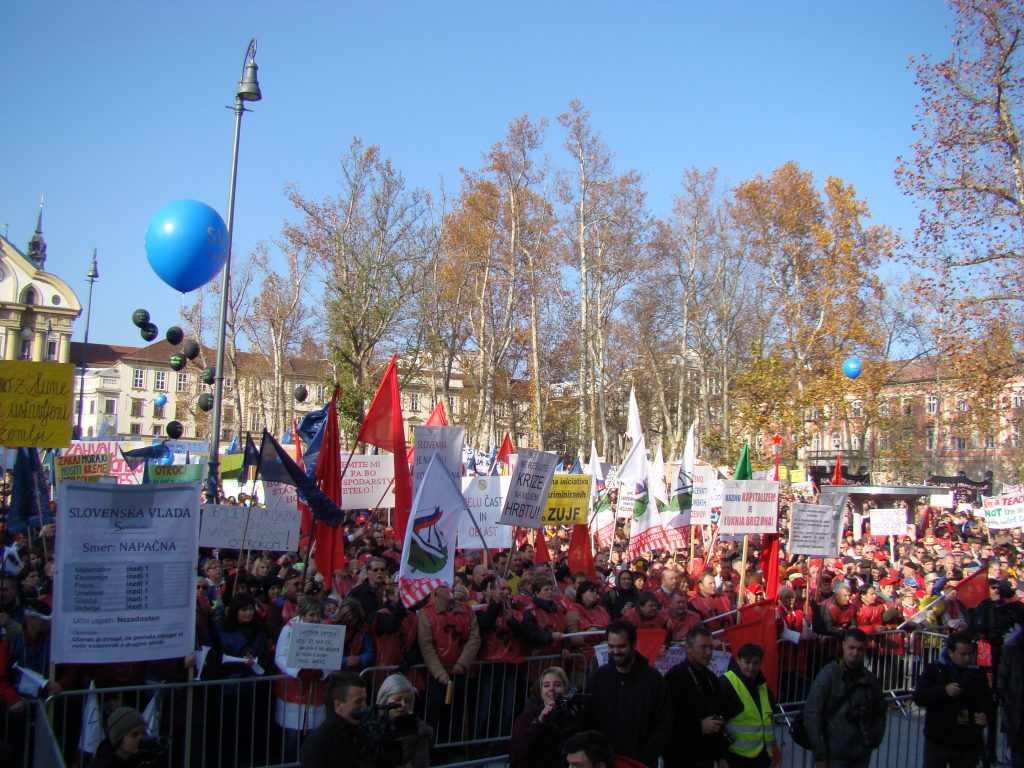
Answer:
[(300, 699), (543, 623)]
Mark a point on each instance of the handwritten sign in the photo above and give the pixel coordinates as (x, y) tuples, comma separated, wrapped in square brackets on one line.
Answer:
[(749, 506), (280, 497), (82, 466), (316, 646), (35, 404), (367, 480), (1006, 511), (224, 527), (706, 486), (889, 522), (568, 499), (815, 530)]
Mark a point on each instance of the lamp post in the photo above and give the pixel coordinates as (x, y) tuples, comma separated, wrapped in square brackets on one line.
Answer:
[(91, 276), (248, 90)]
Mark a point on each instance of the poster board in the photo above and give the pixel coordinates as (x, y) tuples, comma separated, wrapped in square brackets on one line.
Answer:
[(815, 530), (316, 646), (889, 522), (484, 497), (528, 490), (35, 403), (367, 480), (568, 500), (749, 506), (224, 526)]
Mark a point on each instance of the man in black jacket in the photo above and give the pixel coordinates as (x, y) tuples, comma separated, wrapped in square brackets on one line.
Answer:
[(696, 706), (958, 704), (335, 742), (631, 704)]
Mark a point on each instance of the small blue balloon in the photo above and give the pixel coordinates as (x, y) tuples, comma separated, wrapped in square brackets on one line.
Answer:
[(852, 367), (160, 400), (186, 244)]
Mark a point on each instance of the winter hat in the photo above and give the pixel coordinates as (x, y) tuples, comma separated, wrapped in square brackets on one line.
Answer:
[(121, 722), (394, 684)]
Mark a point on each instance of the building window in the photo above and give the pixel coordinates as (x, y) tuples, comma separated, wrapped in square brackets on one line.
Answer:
[(837, 441), (929, 438), (1018, 399), (51, 350), (1015, 435), (883, 408), (759, 441), (961, 405), (229, 414), (908, 408), (160, 380), (92, 407), (138, 378), (227, 384), (816, 442), (990, 441), (26, 349), (109, 406), (135, 429), (158, 411), (321, 393), (960, 444), (931, 404), (414, 402), (814, 414), (255, 422), (182, 381), (156, 430), (858, 409), (855, 442), (136, 409)]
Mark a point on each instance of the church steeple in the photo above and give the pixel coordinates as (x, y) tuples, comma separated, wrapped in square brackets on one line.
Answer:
[(37, 245)]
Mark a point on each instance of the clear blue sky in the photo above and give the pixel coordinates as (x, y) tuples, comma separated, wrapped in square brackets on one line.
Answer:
[(113, 109)]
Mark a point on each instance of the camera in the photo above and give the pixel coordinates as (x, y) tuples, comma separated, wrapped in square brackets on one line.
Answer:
[(379, 736), (153, 752), (565, 717)]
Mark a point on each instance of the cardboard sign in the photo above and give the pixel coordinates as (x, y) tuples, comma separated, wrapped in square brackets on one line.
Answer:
[(280, 497), (749, 506), (124, 581), (704, 482), (445, 442), (528, 490), (484, 497), (568, 499), (815, 530), (224, 527), (35, 404), (365, 484), (87, 467), (316, 646), (175, 473), (889, 522)]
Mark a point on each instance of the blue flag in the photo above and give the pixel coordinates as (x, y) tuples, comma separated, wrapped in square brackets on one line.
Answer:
[(233, 446), (251, 460), (311, 429), (276, 466), (576, 468), (30, 496), (137, 457)]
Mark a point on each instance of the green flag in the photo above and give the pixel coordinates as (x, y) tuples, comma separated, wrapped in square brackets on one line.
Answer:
[(743, 471)]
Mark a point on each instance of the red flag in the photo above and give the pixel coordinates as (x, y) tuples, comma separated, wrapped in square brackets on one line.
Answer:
[(506, 449), (306, 517), (384, 427), (540, 545), (770, 565), (973, 590), (837, 473), (330, 542), (581, 556), (649, 643), (757, 626), (438, 417)]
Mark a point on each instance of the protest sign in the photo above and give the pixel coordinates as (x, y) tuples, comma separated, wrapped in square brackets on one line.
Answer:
[(669, 657), (87, 467), (176, 473), (625, 500), (224, 527), (446, 442), (568, 500), (889, 522), (124, 580), (815, 530), (484, 499), (279, 497), (942, 500), (366, 480), (528, 490), (316, 646), (35, 403), (749, 506), (1006, 511), (707, 494)]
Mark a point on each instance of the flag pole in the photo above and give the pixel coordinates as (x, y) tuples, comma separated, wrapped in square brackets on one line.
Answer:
[(377, 506), (743, 573)]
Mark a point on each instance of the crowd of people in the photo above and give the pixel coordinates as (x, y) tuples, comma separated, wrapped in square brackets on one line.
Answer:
[(877, 600)]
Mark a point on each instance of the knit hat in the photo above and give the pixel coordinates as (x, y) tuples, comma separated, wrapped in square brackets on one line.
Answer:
[(121, 722), (394, 684)]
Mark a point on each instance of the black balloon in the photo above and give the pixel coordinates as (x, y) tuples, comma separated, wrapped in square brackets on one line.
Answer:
[(190, 350), (301, 393), (177, 361), (140, 317), (149, 331), (174, 429), (175, 335), (208, 374), (206, 402)]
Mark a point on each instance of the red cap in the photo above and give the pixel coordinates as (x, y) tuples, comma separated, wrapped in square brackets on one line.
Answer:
[(837, 564), (880, 556), (756, 588), (889, 580), (799, 581)]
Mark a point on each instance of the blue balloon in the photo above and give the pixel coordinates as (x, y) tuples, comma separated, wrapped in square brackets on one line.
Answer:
[(160, 400), (852, 367), (186, 244)]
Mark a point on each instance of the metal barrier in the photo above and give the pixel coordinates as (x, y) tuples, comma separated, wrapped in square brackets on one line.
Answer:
[(227, 723)]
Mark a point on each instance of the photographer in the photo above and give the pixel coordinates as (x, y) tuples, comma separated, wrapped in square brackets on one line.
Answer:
[(336, 743), (538, 732), (411, 733), (125, 730)]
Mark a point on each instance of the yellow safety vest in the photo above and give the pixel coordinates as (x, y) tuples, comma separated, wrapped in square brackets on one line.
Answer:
[(751, 730)]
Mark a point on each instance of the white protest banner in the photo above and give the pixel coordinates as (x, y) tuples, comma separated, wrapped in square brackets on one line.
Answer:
[(703, 480), (124, 581), (749, 506), (280, 497), (366, 480), (82, 466), (316, 646), (1006, 511), (528, 492), (942, 500), (446, 442), (484, 499), (815, 530), (889, 522), (223, 527)]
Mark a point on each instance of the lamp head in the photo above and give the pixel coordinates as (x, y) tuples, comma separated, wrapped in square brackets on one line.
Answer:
[(93, 273), (249, 86)]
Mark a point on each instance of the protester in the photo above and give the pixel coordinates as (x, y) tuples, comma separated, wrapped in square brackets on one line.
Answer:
[(335, 742), (591, 749), (537, 735), (747, 708), (697, 730), (299, 699), (125, 730), (413, 734)]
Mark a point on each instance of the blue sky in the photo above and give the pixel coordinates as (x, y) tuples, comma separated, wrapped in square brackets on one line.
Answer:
[(116, 108)]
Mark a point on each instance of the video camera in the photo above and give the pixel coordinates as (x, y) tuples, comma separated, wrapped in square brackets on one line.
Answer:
[(380, 735), (565, 717)]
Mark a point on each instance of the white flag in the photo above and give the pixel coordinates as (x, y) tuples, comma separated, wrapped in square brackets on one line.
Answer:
[(656, 478), (633, 429), (596, 476)]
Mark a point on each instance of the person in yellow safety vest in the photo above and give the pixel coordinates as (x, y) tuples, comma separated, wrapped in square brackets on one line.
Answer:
[(747, 708)]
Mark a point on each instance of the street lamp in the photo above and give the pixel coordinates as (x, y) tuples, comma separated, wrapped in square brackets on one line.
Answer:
[(91, 276), (248, 90)]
